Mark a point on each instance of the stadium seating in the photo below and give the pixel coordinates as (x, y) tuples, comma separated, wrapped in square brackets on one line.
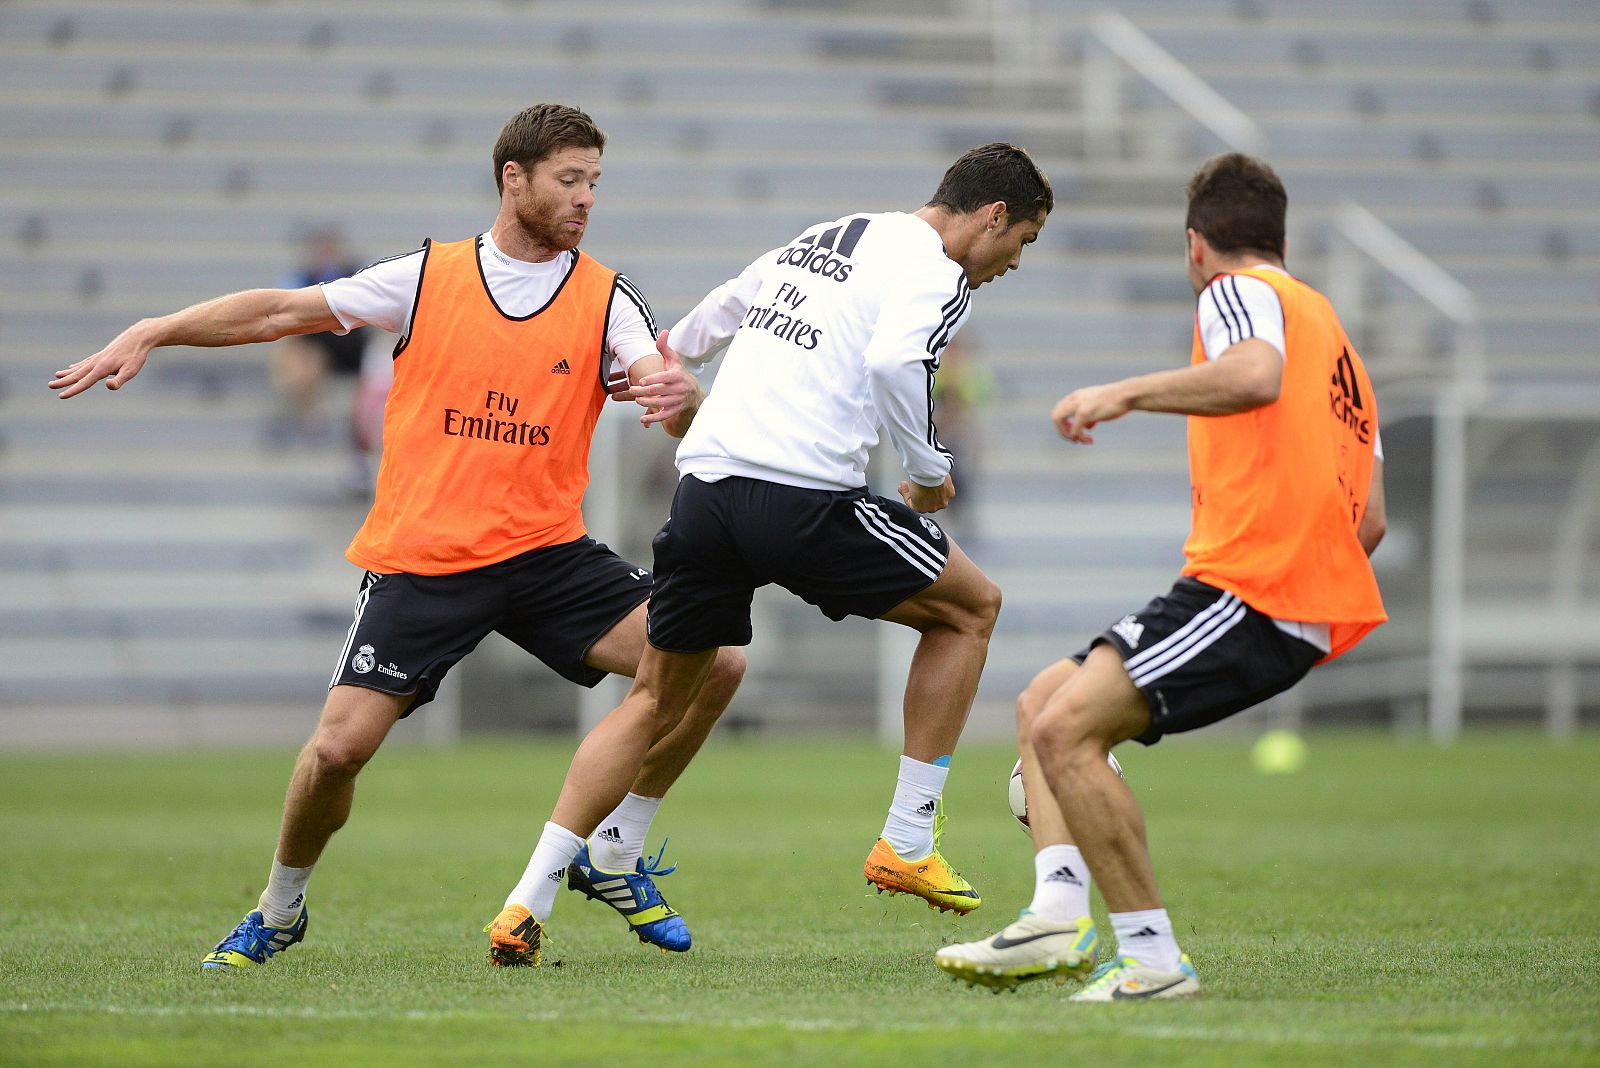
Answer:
[(155, 556)]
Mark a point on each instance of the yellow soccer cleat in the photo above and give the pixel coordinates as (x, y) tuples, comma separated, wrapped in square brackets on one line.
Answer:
[(514, 938), (931, 878)]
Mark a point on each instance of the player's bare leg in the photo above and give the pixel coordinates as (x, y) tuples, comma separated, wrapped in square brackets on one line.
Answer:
[(1096, 708), (1045, 822), (609, 758), (1055, 936), (619, 651), (354, 723), (955, 616), (1093, 710), (607, 762)]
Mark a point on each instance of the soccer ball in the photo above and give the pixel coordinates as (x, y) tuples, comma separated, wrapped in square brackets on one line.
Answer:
[(1019, 799)]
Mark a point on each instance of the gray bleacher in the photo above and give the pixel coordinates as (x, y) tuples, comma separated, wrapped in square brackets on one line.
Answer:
[(157, 561)]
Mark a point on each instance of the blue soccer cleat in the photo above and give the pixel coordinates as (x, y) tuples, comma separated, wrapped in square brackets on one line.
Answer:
[(633, 894), (253, 942)]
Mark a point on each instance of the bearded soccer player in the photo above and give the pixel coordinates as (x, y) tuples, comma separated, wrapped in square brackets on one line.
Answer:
[(829, 337), (507, 345), (1287, 483)]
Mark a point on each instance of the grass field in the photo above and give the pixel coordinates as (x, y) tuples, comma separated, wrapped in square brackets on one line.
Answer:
[(1391, 904)]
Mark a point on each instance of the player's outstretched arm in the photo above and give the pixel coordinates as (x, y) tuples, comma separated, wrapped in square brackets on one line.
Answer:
[(237, 319), (1245, 377)]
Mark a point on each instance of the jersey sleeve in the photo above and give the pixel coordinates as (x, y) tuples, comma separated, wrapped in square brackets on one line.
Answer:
[(1235, 307), (699, 335), (919, 314), (630, 325), (382, 295)]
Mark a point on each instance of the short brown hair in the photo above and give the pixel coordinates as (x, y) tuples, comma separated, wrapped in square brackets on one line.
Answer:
[(996, 172), (1239, 205), (538, 132)]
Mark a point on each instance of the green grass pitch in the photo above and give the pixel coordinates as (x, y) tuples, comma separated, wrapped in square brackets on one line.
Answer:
[(1393, 903)]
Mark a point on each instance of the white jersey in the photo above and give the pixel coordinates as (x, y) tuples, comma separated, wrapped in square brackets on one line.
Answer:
[(832, 336), (385, 294)]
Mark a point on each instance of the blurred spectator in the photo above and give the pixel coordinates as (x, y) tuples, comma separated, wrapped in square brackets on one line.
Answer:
[(307, 368), (366, 416), (962, 388)]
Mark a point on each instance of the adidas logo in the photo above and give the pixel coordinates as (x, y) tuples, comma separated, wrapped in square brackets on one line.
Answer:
[(928, 809), (299, 899), (1145, 932), (557, 875), (562, 368), (1063, 874), (1129, 630), (610, 834)]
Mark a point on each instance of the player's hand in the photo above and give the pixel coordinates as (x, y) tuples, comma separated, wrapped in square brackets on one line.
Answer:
[(116, 364), (920, 498), (1079, 411), (667, 392)]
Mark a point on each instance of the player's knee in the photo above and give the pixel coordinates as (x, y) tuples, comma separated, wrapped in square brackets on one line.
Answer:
[(988, 606), (1059, 728), (1030, 703), (338, 754), (977, 612), (727, 670)]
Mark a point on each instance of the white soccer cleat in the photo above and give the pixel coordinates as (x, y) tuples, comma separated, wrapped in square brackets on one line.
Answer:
[(1125, 979), (1031, 948)]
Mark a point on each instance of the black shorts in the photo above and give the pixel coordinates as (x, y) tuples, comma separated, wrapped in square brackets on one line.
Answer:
[(1200, 654), (555, 602), (849, 552)]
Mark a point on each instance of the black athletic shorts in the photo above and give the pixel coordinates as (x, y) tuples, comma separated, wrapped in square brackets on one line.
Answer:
[(1200, 654), (555, 602), (849, 552)]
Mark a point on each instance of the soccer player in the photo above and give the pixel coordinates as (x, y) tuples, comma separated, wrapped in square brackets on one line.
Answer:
[(502, 369), (1288, 505), (830, 336)]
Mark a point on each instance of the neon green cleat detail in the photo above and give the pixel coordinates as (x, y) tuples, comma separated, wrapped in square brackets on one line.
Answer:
[(1125, 979), (931, 878), (1031, 948)]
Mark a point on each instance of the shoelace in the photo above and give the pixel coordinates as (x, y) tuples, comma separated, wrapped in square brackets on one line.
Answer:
[(652, 865), (241, 940)]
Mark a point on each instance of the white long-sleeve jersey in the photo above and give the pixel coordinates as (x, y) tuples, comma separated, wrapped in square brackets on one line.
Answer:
[(832, 335)]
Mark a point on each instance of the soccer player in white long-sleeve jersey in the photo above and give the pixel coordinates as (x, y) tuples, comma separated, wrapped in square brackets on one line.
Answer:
[(830, 337)]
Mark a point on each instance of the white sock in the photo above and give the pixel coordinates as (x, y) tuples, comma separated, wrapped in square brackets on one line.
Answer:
[(546, 868), (618, 843), (1147, 938), (281, 901), (1060, 884), (909, 827)]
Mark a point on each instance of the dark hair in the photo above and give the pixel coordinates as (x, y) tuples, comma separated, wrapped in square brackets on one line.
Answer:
[(996, 172), (1238, 204), (538, 132)]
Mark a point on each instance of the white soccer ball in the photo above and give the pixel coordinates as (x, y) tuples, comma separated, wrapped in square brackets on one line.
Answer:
[(1019, 798)]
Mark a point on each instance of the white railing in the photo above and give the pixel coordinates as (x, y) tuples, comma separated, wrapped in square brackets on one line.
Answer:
[(1357, 236), (1115, 42)]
